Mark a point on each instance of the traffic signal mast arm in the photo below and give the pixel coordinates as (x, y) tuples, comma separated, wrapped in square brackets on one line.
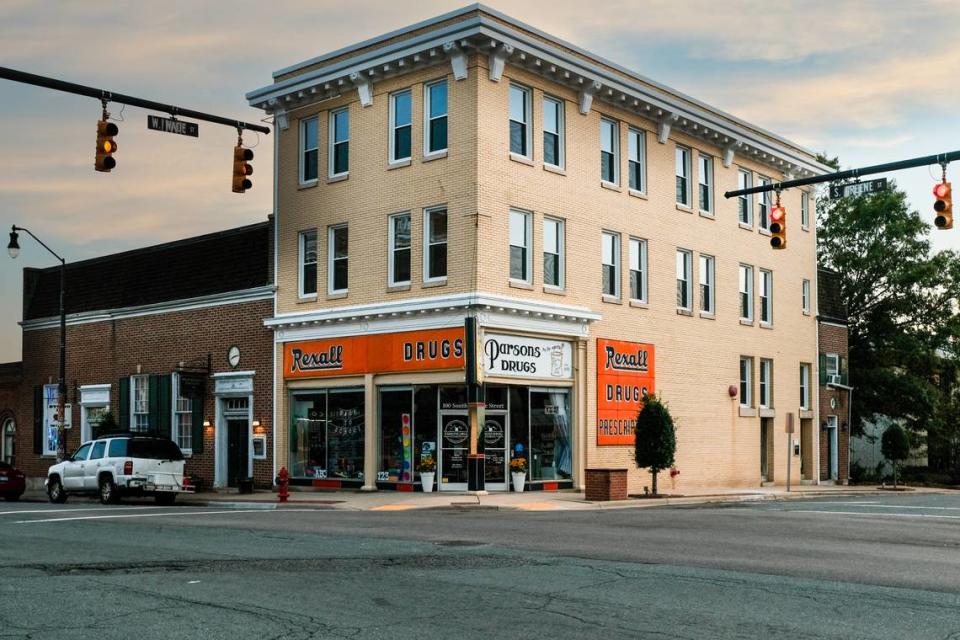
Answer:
[(925, 161)]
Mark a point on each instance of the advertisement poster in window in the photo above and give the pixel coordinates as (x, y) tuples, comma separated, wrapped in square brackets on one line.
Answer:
[(625, 374)]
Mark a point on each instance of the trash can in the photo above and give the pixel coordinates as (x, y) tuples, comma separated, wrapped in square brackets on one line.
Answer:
[(246, 486)]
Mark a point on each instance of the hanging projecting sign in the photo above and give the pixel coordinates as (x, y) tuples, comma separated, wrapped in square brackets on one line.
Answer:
[(838, 191), (172, 125), (521, 357), (625, 374)]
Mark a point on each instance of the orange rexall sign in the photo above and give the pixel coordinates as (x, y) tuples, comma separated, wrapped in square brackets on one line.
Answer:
[(375, 353), (625, 374)]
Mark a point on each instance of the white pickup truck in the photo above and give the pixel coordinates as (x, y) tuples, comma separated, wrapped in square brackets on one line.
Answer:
[(113, 466)]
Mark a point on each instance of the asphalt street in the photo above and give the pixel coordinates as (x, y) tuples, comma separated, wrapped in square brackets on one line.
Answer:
[(865, 567)]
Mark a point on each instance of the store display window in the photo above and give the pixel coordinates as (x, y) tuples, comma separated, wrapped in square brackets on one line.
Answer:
[(326, 434)]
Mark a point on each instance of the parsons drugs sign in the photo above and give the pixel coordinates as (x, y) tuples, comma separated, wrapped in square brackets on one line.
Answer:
[(625, 374), (522, 357)]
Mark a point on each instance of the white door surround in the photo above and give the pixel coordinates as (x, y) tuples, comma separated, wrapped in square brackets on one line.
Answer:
[(229, 386)]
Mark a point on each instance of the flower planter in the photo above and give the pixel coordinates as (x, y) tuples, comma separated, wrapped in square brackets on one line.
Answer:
[(519, 480), (426, 481)]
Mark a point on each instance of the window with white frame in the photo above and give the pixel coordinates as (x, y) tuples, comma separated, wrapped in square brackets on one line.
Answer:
[(401, 125), (638, 270), (308, 263), (610, 257), (520, 121), (338, 255), (521, 258), (746, 381), (553, 254), (706, 183), (435, 245), (94, 405), (339, 161), (804, 386), (182, 423), (636, 156), (766, 383), (609, 151), (400, 248), (309, 150), (684, 279), (553, 134), (746, 292), (707, 288), (832, 366), (805, 295), (766, 297), (140, 403), (805, 210), (683, 176), (745, 202), (435, 118), (763, 202)]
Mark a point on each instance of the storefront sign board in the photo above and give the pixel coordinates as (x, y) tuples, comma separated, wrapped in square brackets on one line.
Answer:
[(522, 357), (625, 374)]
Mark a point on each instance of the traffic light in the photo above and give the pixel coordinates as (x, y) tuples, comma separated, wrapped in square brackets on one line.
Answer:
[(778, 226), (943, 205), (105, 146), (241, 156)]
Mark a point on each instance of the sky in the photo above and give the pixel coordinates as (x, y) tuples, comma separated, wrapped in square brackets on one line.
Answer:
[(868, 81)]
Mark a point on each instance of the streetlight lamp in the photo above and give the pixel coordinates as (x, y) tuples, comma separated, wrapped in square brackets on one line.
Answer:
[(13, 248)]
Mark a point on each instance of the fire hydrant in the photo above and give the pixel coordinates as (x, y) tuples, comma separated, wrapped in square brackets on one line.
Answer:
[(283, 481)]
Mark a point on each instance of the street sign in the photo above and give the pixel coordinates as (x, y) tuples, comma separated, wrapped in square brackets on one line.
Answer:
[(838, 191), (192, 385), (172, 125)]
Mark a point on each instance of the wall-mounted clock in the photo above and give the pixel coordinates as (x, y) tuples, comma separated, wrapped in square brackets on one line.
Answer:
[(233, 356)]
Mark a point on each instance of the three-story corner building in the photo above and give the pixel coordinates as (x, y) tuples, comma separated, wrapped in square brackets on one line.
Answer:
[(473, 165)]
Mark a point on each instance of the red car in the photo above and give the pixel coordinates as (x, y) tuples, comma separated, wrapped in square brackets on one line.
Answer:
[(12, 482)]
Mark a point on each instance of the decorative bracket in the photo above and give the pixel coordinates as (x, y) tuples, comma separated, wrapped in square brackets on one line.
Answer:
[(663, 127), (364, 88), (458, 60), (279, 114), (498, 60), (586, 96), (728, 153)]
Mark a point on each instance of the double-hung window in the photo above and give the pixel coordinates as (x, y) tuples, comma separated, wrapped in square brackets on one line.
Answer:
[(399, 238), (553, 258), (140, 403), (684, 280), (766, 383), (553, 141), (339, 143), (766, 297), (763, 202), (520, 121), (746, 381), (308, 263), (435, 118), (338, 258), (521, 258), (435, 245), (610, 257), (706, 183), (805, 296), (309, 150), (832, 366), (638, 270), (707, 288), (683, 176), (401, 125), (182, 418), (609, 151), (805, 210), (636, 156), (746, 292), (804, 386), (745, 209)]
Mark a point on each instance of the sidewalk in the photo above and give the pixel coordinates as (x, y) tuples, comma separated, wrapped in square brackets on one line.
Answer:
[(507, 501)]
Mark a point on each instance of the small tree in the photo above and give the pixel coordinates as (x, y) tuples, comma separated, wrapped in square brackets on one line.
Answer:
[(656, 440), (895, 446)]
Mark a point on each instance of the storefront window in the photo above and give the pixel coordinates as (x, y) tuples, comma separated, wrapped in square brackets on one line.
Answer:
[(326, 434), (551, 455)]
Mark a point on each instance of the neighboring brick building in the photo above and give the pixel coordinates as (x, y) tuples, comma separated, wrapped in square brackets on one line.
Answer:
[(471, 165), (143, 324), (10, 389), (834, 384)]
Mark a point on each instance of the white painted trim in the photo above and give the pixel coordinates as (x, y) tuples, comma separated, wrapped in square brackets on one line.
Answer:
[(331, 230), (234, 374), (303, 150), (427, 279), (833, 324), (561, 132), (331, 142), (616, 148), (392, 126), (391, 248), (528, 233), (561, 249), (172, 306), (427, 119), (527, 93)]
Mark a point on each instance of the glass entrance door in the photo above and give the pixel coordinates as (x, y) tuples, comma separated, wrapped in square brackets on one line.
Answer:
[(495, 438), (454, 447)]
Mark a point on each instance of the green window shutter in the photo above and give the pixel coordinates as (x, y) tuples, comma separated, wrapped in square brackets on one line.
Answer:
[(124, 404), (843, 371), (823, 369), (153, 395), (38, 420), (197, 419), (164, 393)]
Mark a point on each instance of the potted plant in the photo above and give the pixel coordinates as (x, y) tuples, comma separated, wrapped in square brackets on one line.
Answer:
[(518, 471), (428, 469)]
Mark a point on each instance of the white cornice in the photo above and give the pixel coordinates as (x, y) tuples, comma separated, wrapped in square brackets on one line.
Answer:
[(200, 302)]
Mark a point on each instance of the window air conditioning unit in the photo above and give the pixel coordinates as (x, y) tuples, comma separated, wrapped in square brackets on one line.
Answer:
[(834, 379)]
